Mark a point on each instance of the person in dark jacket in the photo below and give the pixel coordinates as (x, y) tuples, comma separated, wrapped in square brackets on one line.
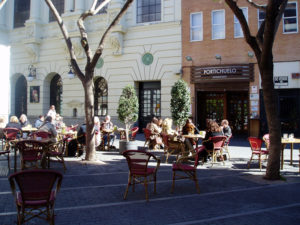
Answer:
[(14, 123), (24, 121), (226, 130)]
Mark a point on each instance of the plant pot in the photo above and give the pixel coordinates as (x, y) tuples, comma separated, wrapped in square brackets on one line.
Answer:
[(127, 145)]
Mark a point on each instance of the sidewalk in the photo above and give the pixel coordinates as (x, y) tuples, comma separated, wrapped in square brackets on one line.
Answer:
[(92, 193)]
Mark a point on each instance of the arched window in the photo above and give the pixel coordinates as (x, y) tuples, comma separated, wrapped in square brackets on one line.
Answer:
[(100, 97), (56, 89), (21, 96)]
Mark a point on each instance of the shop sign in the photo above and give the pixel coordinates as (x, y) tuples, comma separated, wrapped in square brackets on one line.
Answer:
[(239, 71), (281, 80)]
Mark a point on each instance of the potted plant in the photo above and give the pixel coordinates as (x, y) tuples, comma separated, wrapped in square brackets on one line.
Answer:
[(128, 114), (180, 103)]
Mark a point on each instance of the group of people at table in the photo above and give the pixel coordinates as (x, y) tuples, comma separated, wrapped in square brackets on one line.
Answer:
[(160, 128), (52, 123)]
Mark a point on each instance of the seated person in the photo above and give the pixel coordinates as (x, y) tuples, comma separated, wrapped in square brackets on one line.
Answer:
[(14, 123), (167, 128), (107, 128), (24, 121), (226, 130), (97, 127), (39, 121), (155, 138), (81, 134), (47, 126), (213, 130), (189, 128)]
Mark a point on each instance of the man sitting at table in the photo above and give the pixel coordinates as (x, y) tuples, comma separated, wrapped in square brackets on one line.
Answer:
[(47, 126), (107, 128), (39, 121)]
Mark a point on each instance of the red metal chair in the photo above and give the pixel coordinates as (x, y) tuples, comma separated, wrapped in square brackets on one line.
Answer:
[(147, 134), (172, 147), (225, 149), (134, 132), (30, 152), (188, 171), (139, 170), (35, 193), (41, 134), (57, 151), (218, 144), (256, 144), (10, 135)]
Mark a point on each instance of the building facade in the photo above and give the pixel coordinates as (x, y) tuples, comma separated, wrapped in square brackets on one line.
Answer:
[(222, 71), (143, 50)]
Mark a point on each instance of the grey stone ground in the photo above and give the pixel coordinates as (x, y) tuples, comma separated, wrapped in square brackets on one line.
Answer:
[(92, 193)]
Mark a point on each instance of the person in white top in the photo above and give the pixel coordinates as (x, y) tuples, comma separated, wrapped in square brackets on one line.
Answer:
[(52, 112)]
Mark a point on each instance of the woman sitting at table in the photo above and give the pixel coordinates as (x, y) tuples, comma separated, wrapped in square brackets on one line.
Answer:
[(167, 128), (213, 130), (107, 128), (14, 123), (189, 128), (24, 121), (48, 126), (155, 138)]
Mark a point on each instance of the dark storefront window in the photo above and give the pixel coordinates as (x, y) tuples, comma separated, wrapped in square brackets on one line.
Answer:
[(100, 95), (21, 12), (289, 111)]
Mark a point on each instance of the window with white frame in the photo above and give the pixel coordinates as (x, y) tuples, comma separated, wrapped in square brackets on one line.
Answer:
[(238, 32), (196, 26), (290, 18), (261, 17), (218, 24), (148, 11)]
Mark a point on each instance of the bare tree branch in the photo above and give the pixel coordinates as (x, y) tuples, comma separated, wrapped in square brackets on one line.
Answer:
[(99, 50), (262, 7), (280, 14), (83, 33), (2, 3), (251, 40), (67, 39)]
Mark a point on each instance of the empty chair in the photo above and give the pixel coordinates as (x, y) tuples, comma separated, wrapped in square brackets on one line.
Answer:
[(30, 153), (35, 193), (225, 149), (147, 134), (10, 134), (172, 147), (256, 144), (138, 169), (42, 134), (185, 171), (57, 151)]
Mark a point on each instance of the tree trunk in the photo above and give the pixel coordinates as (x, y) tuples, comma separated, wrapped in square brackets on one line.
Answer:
[(89, 116), (271, 107)]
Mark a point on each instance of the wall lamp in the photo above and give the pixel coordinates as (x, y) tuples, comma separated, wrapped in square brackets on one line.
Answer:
[(250, 54), (189, 58), (71, 75), (218, 57), (32, 73)]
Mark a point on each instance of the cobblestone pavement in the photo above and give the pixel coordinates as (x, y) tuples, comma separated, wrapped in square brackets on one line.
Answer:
[(92, 193)]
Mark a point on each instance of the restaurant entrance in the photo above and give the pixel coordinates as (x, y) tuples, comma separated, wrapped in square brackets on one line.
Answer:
[(230, 105)]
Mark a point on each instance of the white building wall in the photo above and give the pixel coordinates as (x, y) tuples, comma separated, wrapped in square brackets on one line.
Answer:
[(41, 44)]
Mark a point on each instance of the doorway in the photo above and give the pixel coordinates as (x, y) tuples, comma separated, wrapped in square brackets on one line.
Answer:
[(21, 96), (150, 102), (217, 106), (56, 89)]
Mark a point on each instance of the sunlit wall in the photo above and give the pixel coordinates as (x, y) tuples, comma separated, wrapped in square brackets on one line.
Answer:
[(4, 80)]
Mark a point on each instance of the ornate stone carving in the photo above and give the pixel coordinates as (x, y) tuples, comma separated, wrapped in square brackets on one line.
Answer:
[(33, 50), (116, 43)]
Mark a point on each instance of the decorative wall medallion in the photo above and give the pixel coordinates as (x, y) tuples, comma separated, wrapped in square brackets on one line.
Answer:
[(99, 63), (147, 59)]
